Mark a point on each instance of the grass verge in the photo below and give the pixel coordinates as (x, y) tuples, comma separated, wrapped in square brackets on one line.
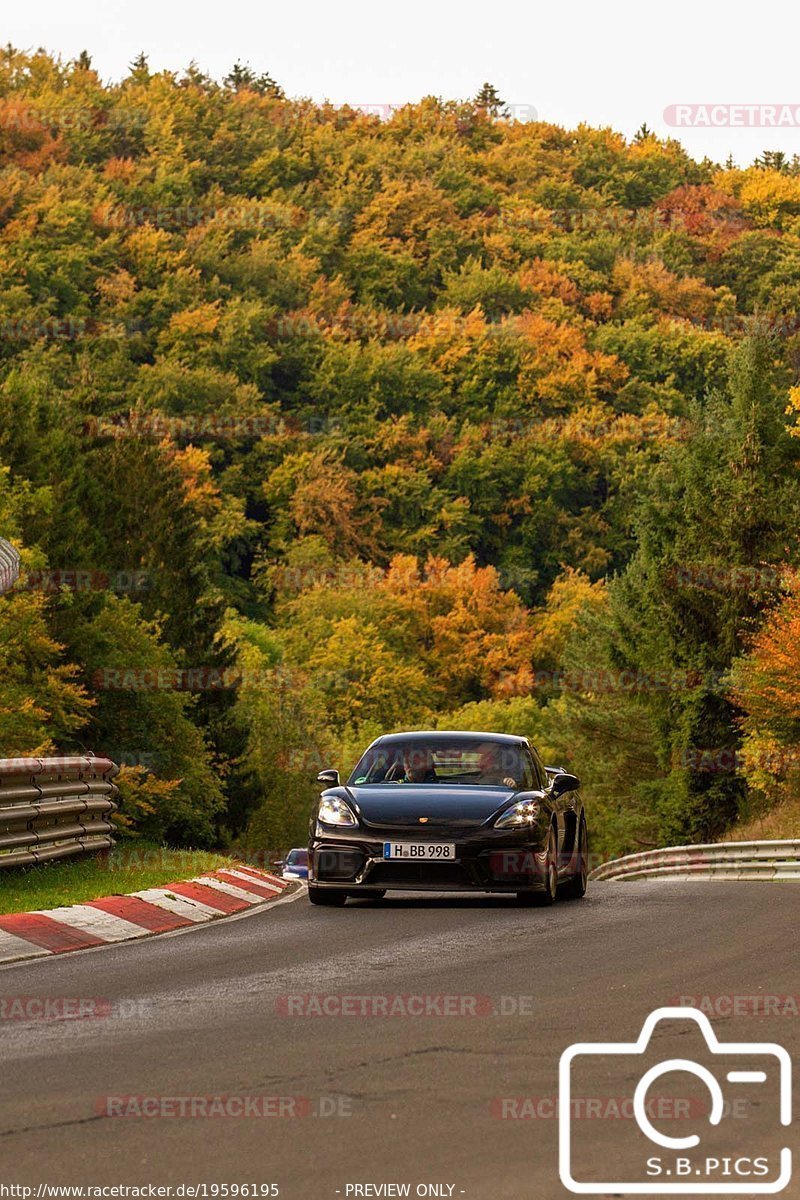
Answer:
[(129, 867), (781, 822)]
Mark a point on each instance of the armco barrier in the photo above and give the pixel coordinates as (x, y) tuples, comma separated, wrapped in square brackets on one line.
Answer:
[(717, 860), (53, 808), (9, 565)]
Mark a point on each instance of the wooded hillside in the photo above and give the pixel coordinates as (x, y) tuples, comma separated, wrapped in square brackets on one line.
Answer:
[(314, 425)]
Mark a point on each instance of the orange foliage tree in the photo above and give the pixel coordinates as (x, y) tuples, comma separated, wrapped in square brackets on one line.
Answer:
[(766, 686)]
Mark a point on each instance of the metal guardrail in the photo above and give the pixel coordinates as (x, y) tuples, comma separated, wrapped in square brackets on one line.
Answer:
[(53, 808), (716, 860), (9, 565)]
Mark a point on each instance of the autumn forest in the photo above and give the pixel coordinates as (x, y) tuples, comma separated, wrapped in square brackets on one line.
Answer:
[(316, 424)]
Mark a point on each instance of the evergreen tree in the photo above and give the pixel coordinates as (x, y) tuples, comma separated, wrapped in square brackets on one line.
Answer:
[(774, 160), (139, 68), (242, 78), (488, 99)]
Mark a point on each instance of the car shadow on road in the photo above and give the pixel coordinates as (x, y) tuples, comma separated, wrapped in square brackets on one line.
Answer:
[(437, 900)]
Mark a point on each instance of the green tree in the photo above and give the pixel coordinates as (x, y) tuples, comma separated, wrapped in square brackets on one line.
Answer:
[(241, 77), (488, 99), (722, 506), (43, 705), (143, 717)]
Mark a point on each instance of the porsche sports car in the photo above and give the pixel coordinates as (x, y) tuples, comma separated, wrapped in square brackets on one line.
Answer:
[(448, 812)]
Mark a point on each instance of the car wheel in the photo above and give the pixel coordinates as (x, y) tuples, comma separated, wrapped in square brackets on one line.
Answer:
[(548, 895), (322, 896), (575, 888)]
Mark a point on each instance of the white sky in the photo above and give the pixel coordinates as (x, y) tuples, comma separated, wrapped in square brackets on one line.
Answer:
[(616, 63)]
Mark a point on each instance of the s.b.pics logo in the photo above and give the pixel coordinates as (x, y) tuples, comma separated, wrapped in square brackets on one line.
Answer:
[(706, 1120)]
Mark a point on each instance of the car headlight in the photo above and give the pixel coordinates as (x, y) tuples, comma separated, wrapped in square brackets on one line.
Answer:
[(519, 816), (336, 812)]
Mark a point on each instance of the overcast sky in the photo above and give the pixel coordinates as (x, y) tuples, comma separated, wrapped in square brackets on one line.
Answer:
[(617, 63)]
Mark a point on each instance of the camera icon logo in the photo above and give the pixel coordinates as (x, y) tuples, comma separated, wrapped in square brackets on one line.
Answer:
[(738, 1076)]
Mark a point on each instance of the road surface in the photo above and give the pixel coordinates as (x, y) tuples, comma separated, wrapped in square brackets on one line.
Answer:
[(374, 1099)]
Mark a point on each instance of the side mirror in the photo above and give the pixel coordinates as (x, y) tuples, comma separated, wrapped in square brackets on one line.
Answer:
[(329, 778), (564, 782)]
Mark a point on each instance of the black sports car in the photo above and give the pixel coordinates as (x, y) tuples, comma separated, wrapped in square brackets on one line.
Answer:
[(448, 811)]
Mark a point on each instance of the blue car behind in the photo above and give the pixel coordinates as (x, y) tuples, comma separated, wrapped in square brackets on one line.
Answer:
[(295, 865)]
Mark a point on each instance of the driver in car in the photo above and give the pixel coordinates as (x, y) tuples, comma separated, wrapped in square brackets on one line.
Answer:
[(418, 766)]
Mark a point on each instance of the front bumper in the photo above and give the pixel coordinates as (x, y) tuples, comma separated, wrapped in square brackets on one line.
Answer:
[(487, 860)]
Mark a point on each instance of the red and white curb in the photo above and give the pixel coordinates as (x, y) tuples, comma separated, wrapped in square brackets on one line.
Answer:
[(122, 918)]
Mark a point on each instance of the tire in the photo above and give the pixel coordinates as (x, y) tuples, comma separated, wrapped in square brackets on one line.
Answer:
[(546, 897), (575, 888), (332, 899)]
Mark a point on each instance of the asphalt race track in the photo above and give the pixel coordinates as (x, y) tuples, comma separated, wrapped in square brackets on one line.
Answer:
[(377, 1099)]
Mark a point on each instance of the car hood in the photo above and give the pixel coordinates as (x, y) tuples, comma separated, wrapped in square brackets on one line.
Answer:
[(442, 804)]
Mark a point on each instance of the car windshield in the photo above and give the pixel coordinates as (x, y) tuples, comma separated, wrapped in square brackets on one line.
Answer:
[(297, 858), (479, 762)]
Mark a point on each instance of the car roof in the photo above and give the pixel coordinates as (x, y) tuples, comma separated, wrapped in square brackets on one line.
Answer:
[(508, 738)]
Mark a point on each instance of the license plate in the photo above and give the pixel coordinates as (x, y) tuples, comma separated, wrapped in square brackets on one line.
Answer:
[(421, 851)]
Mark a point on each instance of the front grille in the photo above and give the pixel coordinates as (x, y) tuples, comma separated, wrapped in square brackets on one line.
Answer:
[(386, 874)]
